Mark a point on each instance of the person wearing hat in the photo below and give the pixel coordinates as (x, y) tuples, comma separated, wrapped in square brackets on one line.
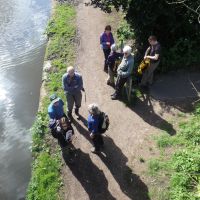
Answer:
[(106, 41), (55, 109), (73, 85), (112, 58), (123, 72), (63, 132)]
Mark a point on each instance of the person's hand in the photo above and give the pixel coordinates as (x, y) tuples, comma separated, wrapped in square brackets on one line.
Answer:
[(108, 43), (91, 135), (145, 57)]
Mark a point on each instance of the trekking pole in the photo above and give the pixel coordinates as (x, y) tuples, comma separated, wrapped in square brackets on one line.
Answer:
[(85, 97), (85, 94)]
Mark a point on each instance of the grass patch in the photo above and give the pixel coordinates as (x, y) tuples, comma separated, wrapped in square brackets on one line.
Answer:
[(183, 165), (46, 181)]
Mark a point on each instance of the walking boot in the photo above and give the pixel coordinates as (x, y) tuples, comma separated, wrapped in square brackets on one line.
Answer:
[(77, 113)]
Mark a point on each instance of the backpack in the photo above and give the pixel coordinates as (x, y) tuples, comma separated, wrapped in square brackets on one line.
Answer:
[(103, 122)]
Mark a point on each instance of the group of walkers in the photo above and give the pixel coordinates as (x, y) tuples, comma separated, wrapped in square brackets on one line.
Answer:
[(122, 63), (119, 63)]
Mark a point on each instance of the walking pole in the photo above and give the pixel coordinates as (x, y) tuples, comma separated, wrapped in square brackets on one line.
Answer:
[(85, 96)]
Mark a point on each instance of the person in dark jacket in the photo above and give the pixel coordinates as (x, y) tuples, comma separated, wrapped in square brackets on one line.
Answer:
[(153, 53), (111, 61), (63, 132), (106, 41), (93, 127)]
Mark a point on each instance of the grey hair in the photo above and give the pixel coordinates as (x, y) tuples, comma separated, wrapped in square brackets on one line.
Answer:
[(113, 47), (127, 49), (94, 109)]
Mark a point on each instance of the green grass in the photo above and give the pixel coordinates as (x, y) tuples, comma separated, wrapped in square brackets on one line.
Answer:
[(182, 167), (45, 180)]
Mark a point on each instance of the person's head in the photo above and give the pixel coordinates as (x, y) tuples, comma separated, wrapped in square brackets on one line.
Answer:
[(152, 40), (54, 99), (64, 123), (108, 29), (127, 51), (70, 71), (93, 109), (113, 48)]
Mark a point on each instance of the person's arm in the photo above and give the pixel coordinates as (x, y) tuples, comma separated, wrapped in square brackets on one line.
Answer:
[(65, 85), (89, 123), (156, 57), (112, 41), (80, 83), (147, 52), (130, 69), (102, 40), (51, 115)]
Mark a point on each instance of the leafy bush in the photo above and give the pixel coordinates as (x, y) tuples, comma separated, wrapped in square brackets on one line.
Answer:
[(176, 27)]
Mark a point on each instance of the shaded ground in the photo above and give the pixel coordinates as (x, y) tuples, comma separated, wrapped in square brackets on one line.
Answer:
[(117, 173)]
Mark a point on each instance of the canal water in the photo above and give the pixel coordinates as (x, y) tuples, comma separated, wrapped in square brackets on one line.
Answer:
[(22, 48)]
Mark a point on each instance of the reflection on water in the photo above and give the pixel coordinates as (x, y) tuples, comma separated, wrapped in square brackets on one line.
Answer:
[(22, 47)]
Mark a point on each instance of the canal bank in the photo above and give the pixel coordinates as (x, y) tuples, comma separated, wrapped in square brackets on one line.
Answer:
[(22, 49), (45, 180)]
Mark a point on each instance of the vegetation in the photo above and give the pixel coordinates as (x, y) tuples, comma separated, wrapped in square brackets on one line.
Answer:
[(175, 25), (183, 168), (45, 181)]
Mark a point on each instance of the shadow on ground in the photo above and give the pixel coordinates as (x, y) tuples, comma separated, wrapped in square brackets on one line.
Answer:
[(131, 184), (112, 156), (90, 177), (143, 107)]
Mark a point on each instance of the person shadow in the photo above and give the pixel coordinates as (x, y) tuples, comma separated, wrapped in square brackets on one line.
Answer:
[(130, 184), (90, 176), (112, 156), (81, 126), (143, 107)]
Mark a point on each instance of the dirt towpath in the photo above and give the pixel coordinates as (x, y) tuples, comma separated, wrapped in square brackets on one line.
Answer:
[(117, 172)]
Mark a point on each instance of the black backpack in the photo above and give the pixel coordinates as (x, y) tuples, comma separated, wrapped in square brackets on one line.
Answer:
[(103, 122)]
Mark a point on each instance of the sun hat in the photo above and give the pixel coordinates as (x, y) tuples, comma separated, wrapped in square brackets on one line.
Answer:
[(54, 98)]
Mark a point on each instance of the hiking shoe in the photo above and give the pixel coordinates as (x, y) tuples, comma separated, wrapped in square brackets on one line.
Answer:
[(114, 97), (93, 150), (77, 111)]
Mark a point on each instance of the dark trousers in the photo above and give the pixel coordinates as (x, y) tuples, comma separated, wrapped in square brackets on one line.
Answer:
[(106, 54), (97, 141), (119, 85)]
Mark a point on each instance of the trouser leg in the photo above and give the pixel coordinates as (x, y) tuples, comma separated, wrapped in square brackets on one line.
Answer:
[(148, 74), (106, 54), (97, 141), (111, 76), (119, 85), (70, 103), (78, 100)]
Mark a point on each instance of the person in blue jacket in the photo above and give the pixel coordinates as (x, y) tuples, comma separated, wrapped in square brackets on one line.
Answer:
[(106, 41), (73, 85), (93, 127), (55, 109)]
